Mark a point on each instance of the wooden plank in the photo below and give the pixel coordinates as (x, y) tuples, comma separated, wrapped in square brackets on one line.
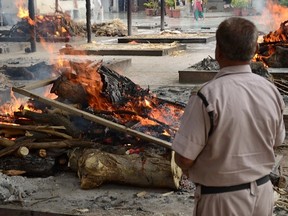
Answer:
[(39, 84), (93, 118)]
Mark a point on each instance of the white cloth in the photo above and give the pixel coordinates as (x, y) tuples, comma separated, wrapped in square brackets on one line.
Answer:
[(98, 12)]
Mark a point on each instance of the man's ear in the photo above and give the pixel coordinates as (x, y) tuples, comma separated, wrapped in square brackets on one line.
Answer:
[(217, 52)]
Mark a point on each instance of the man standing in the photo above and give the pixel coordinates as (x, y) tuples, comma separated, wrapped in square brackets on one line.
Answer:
[(98, 11), (229, 129), (198, 9)]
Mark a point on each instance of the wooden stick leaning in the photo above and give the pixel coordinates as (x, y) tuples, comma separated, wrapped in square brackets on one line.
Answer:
[(92, 117)]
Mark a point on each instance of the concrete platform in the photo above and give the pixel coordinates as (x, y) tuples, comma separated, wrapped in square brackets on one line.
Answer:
[(127, 50), (193, 76)]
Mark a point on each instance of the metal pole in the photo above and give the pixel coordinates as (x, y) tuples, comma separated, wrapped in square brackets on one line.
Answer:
[(162, 14), (1, 14), (56, 5), (31, 9), (129, 17), (88, 20)]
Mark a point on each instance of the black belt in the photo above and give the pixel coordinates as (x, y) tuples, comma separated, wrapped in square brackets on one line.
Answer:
[(214, 190)]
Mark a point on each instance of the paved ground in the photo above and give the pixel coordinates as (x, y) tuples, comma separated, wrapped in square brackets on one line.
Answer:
[(144, 70), (147, 70)]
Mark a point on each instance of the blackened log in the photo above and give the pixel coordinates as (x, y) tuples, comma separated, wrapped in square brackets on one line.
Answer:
[(73, 92), (40, 70), (278, 59), (119, 89), (33, 165)]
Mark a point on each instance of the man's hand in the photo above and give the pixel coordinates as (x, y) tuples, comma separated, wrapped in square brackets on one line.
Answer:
[(184, 163)]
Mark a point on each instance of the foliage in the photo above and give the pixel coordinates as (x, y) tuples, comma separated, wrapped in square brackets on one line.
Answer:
[(170, 3), (283, 2), (151, 4), (239, 3)]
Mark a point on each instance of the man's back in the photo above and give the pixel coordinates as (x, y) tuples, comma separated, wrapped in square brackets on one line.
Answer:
[(247, 115)]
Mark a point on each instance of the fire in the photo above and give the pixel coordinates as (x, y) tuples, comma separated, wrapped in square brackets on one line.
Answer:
[(277, 15), (105, 95), (23, 12), (273, 14), (17, 104), (14, 105)]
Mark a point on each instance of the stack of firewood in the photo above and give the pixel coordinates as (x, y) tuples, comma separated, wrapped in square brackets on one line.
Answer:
[(40, 139)]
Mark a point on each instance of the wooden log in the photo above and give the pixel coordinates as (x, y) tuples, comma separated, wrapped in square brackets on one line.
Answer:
[(31, 165), (21, 130), (45, 145), (13, 148), (97, 167), (42, 153), (278, 59), (6, 142), (22, 151)]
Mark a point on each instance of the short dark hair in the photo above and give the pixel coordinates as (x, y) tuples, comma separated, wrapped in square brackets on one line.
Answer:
[(237, 38)]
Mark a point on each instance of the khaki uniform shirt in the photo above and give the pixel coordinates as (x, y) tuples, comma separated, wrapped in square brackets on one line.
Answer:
[(248, 123)]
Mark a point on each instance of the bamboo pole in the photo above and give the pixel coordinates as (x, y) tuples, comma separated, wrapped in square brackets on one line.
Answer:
[(93, 118)]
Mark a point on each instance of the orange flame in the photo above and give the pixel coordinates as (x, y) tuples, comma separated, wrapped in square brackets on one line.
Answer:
[(14, 105), (23, 12)]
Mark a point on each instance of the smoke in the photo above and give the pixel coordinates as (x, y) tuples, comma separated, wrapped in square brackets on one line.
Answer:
[(271, 15), (259, 5)]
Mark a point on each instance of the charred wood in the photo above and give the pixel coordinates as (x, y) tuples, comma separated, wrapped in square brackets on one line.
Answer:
[(51, 119), (32, 165), (40, 70), (278, 59)]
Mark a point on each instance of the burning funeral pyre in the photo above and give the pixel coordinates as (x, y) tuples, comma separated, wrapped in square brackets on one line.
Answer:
[(104, 127), (49, 28), (273, 50), (57, 27)]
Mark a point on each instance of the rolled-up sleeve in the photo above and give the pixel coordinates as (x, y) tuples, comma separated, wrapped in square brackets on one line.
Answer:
[(193, 132), (281, 132)]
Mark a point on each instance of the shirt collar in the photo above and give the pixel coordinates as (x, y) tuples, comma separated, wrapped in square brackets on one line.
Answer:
[(233, 70)]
